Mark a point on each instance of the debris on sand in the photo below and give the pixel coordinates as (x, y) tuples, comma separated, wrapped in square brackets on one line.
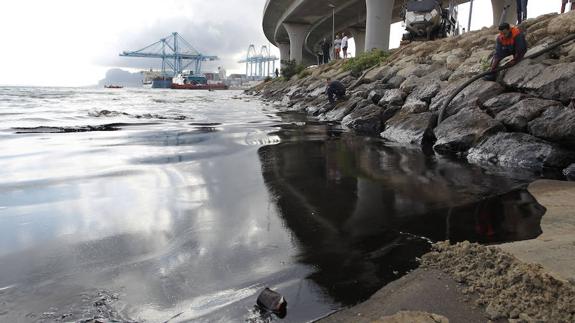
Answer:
[(507, 288)]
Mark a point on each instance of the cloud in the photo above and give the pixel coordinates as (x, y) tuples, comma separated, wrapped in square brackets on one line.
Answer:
[(226, 32)]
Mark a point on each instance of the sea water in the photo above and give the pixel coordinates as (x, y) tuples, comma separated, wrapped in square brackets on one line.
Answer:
[(160, 205)]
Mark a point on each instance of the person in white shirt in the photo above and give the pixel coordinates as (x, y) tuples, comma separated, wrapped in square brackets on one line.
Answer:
[(344, 42), (337, 46), (564, 4)]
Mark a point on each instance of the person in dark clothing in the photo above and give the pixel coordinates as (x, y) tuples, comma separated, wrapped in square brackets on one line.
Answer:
[(510, 41), (335, 90), (325, 48), (277, 73), (521, 10)]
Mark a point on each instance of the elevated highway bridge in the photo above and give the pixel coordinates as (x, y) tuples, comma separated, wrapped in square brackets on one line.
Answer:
[(297, 27)]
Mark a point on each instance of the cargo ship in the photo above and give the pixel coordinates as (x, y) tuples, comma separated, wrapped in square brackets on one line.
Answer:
[(209, 87), (195, 82)]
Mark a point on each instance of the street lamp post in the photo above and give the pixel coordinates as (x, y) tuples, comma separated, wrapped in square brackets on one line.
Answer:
[(470, 13), (332, 28)]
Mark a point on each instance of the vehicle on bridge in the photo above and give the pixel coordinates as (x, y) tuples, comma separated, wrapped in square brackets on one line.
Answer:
[(428, 19)]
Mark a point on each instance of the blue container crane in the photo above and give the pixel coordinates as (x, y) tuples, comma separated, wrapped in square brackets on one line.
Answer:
[(176, 54)]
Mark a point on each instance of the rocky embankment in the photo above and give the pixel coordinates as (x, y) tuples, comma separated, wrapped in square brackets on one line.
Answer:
[(526, 119)]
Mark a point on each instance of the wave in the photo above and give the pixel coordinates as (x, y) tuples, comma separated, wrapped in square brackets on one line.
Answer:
[(87, 128), (111, 113)]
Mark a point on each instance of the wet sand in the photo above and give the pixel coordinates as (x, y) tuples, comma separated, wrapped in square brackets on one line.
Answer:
[(422, 290), (555, 248), (517, 282)]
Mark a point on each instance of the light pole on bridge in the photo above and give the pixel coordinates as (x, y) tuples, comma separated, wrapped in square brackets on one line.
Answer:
[(332, 6)]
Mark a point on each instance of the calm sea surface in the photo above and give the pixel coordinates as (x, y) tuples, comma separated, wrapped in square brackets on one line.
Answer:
[(159, 205)]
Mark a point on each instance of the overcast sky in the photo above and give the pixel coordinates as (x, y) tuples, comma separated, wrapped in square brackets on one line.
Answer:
[(74, 42)]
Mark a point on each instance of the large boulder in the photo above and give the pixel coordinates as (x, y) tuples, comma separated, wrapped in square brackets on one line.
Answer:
[(395, 81), (375, 95), (549, 82), (425, 92), (383, 73), (418, 70), (392, 97), (340, 111), (411, 128), (414, 106), (519, 150), (477, 92), (520, 114), (461, 131), (557, 124), (368, 119), (501, 102)]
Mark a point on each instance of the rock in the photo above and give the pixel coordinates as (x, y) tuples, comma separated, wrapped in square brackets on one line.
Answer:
[(413, 317), (562, 25), (461, 131), (453, 61), (517, 76), (501, 102), (472, 66), (411, 128), (418, 70), (519, 150), (381, 73), (360, 94), (348, 80), (316, 109), (520, 114), (414, 106), (476, 93), (392, 97), (569, 172), (375, 95), (557, 124), (410, 84), (395, 81), (367, 119), (339, 112), (425, 92), (549, 82)]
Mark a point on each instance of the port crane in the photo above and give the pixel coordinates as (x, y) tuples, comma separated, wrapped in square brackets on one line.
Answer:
[(256, 63), (176, 54)]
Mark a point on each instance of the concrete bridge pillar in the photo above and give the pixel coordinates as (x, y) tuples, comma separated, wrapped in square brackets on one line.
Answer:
[(359, 39), (510, 17), (378, 24), (296, 33), (284, 52)]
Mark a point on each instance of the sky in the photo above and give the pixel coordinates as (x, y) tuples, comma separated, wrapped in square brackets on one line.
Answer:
[(74, 43)]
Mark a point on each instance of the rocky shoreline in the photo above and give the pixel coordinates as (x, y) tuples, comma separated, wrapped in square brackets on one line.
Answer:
[(524, 120)]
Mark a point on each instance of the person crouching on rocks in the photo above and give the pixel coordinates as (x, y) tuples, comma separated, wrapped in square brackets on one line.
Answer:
[(510, 41), (335, 90)]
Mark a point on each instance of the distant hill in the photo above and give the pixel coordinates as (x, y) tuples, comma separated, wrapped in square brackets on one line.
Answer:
[(118, 76)]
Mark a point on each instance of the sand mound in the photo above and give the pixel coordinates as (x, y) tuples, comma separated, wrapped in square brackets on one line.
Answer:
[(506, 287)]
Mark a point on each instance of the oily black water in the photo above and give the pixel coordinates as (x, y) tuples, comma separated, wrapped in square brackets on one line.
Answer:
[(159, 206)]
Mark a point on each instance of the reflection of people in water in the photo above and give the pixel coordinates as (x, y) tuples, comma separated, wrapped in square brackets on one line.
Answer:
[(511, 217), (488, 218)]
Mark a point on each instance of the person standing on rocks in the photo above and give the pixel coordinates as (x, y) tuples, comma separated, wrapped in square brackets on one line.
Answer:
[(510, 41), (344, 42), (521, 10), (564, 4), (325, 47), (335, 90), (337, 46)]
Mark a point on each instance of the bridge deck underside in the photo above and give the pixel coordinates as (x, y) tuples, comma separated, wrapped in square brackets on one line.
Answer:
[(349, 14)]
